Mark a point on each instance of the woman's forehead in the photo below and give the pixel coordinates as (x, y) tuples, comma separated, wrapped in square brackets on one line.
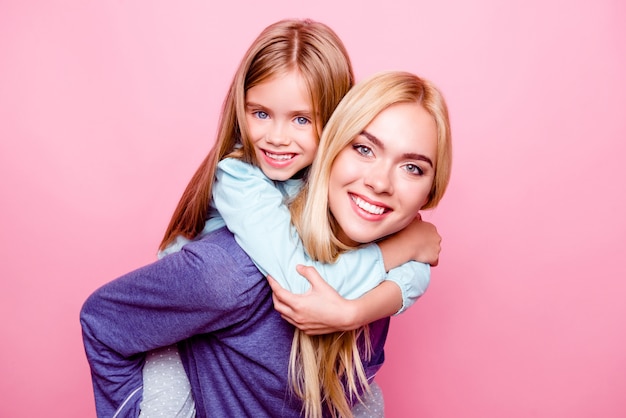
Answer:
[(404, 128)]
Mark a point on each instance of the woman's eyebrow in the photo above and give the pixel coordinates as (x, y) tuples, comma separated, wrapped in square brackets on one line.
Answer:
[(408, 155), (419, 157), (373, 139)]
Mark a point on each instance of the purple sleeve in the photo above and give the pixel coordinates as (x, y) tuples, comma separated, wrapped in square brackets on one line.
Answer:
[(205, 287)]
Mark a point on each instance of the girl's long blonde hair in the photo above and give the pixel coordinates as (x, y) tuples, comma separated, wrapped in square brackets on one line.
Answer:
[(311, 48), (323, 368)]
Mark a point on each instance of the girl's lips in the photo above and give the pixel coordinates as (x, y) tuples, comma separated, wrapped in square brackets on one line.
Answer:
[(279, 156), (369, 208), (279, 159)]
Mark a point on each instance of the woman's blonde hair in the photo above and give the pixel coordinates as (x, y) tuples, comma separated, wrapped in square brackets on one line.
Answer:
[(311, 48), (322, 365)]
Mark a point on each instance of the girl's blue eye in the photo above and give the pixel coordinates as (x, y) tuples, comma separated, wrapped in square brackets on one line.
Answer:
[(301, 120), (261, 114)]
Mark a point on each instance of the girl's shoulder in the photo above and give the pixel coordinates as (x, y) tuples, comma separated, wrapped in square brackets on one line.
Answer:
[(237, 165), (236, 171)]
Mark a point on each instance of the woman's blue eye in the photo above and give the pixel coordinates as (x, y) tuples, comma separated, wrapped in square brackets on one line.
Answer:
[(414, 169), (261, 114), (363, 150), (301, 120)]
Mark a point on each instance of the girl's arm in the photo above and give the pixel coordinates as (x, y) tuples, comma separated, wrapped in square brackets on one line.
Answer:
[(411, 279), (254, 210), (321, 310), (419, 241), (203, 288)]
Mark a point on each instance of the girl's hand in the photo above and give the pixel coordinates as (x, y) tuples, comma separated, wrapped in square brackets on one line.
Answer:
[(425, 240), (418, 241), (321, 310)]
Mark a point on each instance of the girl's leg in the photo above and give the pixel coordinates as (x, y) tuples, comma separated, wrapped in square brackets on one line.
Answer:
[(373, 405), (166, 389)]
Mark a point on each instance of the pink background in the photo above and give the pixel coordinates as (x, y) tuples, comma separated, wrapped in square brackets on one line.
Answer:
[(107, 107)]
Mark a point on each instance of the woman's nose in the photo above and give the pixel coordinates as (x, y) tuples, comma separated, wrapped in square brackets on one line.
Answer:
[(378, 179)]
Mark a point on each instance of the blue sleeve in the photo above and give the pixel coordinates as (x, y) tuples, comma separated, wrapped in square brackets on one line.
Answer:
[(413, 279), (200, 289), (254, 210)]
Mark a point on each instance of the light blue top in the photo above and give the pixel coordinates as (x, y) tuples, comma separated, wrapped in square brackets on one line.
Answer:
[(253, 207)]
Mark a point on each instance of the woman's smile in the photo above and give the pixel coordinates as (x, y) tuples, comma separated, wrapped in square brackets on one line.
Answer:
[(380, 181)]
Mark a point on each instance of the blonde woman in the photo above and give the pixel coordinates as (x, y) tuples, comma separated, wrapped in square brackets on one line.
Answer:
[(384, 155)]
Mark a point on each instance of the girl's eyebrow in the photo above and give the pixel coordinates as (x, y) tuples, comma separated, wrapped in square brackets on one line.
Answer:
[(408, 155), (302, 112), (253, 104), (305, 112)]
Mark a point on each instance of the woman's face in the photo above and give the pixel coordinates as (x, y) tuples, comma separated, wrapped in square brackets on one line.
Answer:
[(380, 181)]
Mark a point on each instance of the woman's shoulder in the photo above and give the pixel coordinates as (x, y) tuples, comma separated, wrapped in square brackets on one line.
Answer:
[(220, 249)]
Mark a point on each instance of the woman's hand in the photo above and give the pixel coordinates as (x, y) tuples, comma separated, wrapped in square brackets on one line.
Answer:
[(321, 310)]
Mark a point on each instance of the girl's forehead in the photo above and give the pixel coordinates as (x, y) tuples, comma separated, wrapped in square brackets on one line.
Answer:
[(287, 95)]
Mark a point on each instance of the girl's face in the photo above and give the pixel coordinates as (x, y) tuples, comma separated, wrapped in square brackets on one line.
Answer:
[(280, 123), (380, 181)]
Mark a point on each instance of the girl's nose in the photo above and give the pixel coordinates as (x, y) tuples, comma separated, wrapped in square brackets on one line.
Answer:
[(277, 135)]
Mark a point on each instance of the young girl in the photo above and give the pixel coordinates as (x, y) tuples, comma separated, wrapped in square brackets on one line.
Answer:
[(279, 134), (262, 65)]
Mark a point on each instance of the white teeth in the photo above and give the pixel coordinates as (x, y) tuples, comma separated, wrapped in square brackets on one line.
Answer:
[(368, 207), (279, 157)]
